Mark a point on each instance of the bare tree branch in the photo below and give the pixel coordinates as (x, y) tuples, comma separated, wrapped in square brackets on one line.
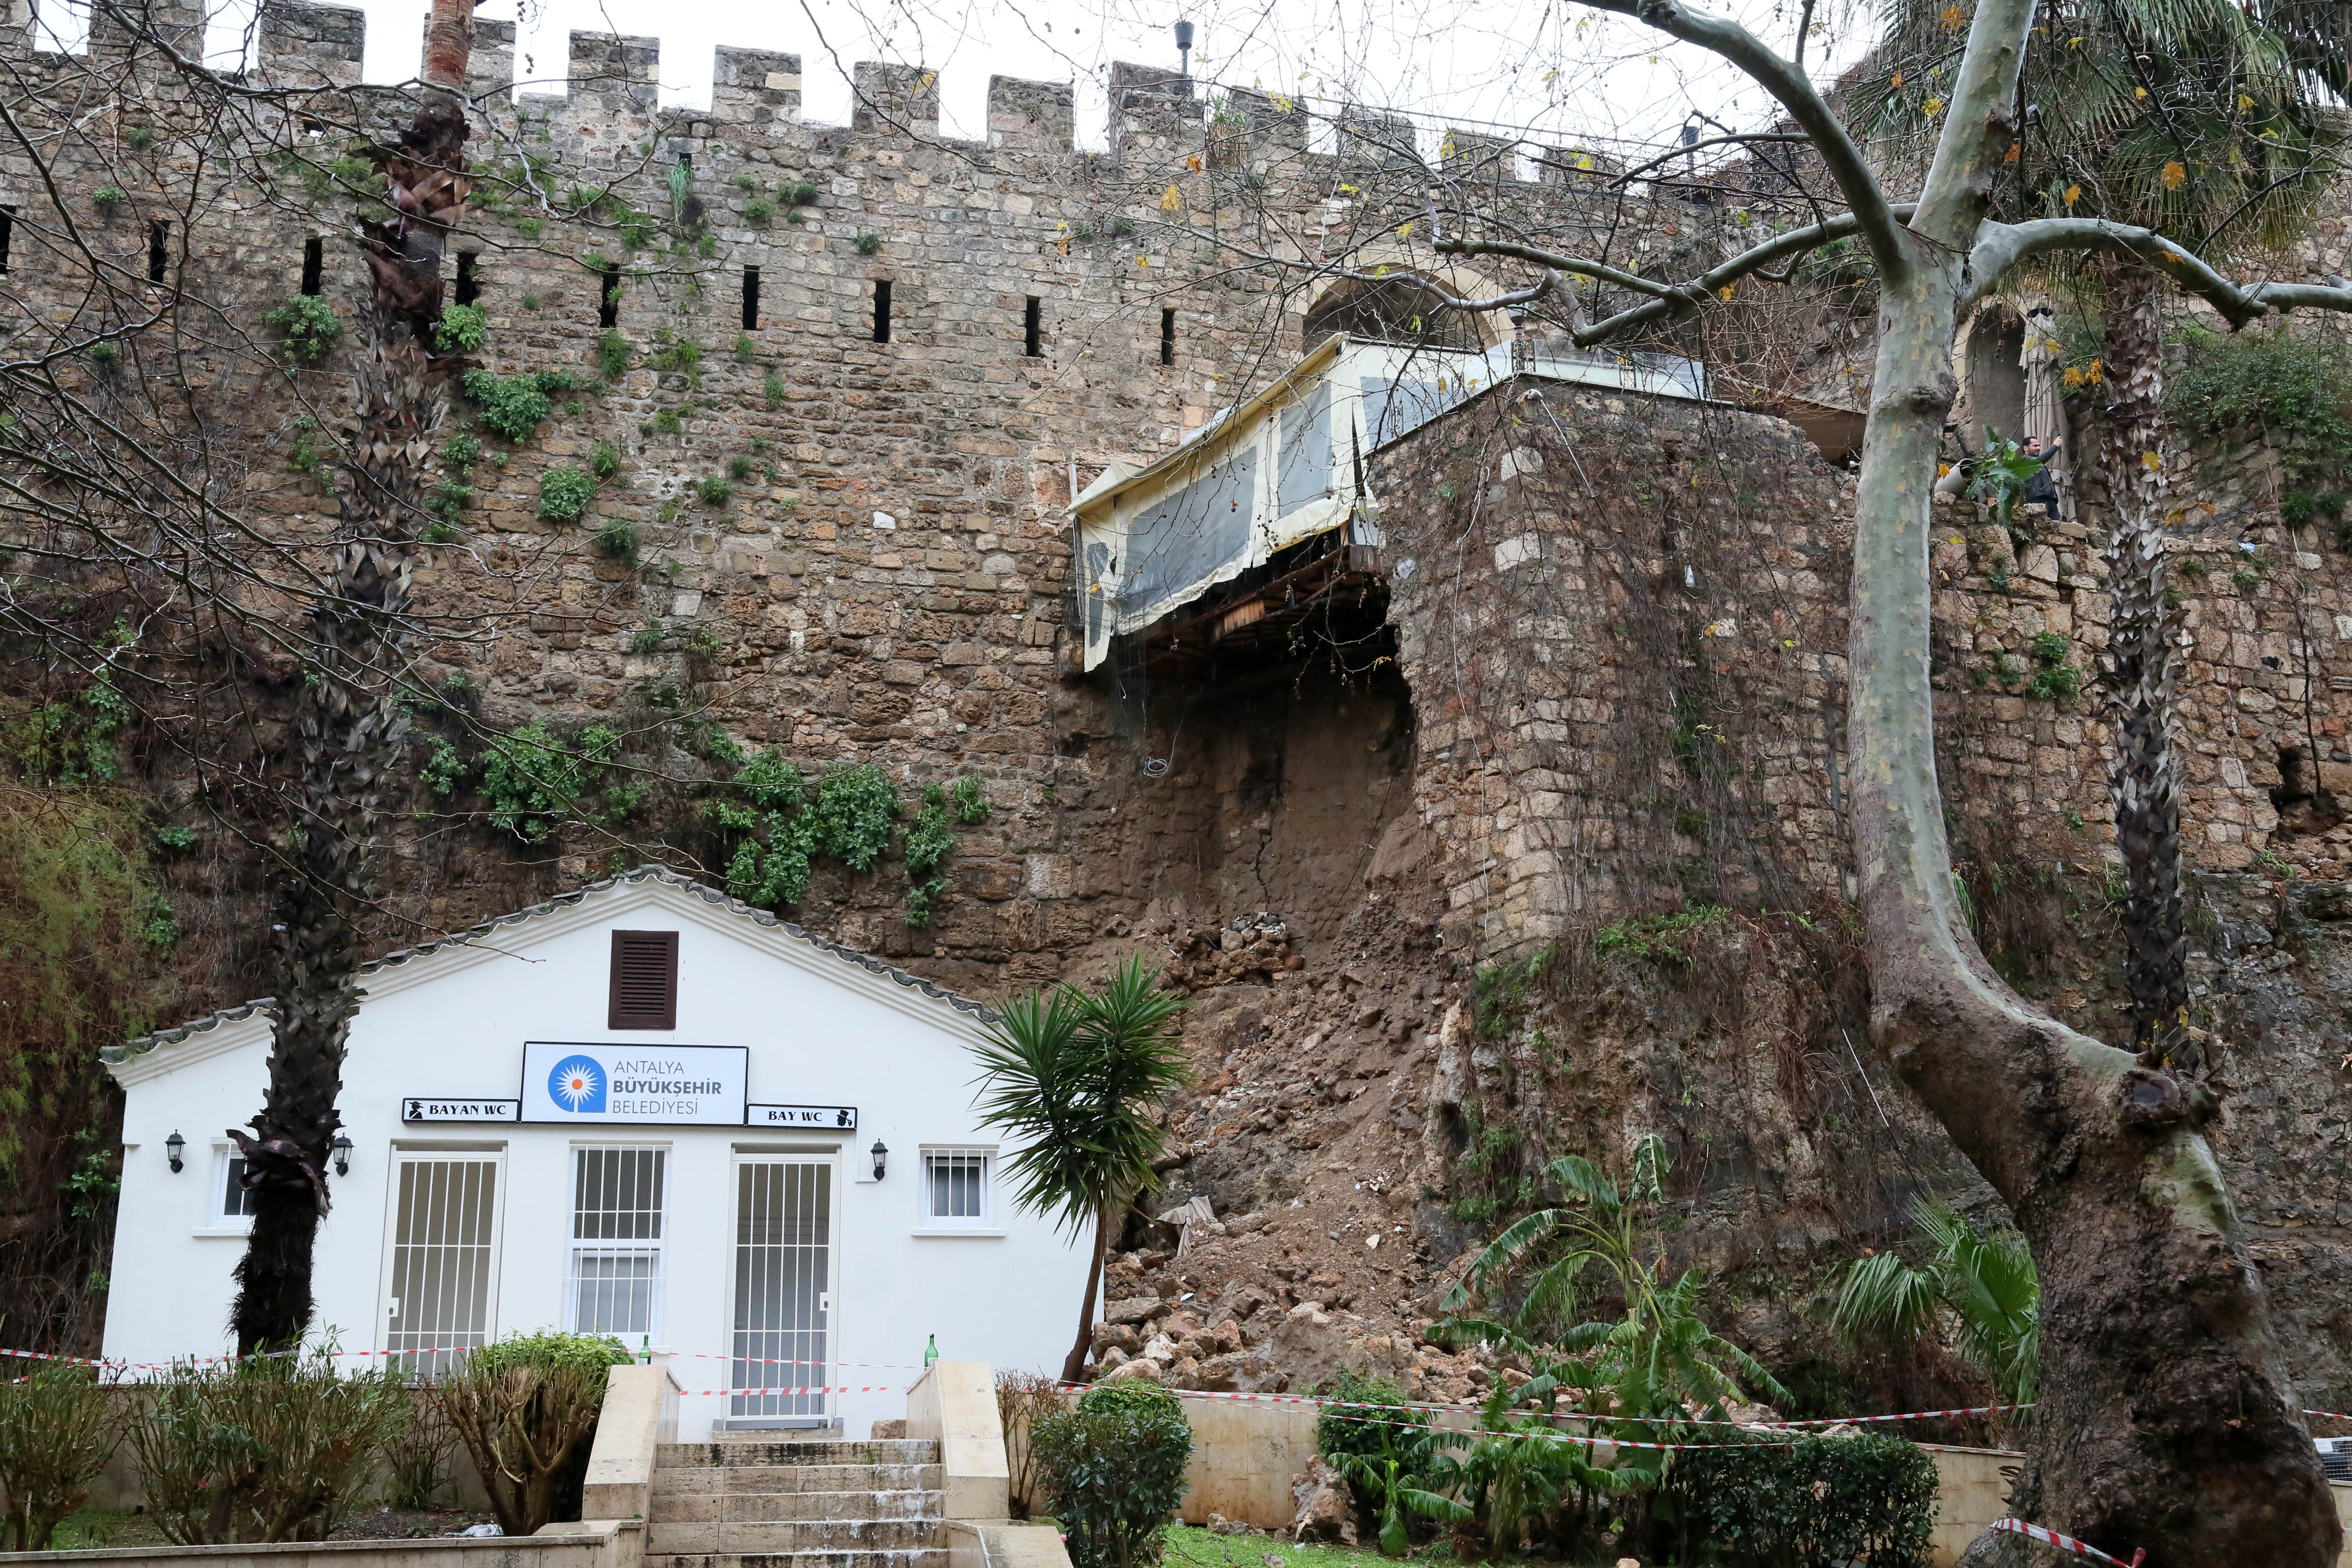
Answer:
[(1880, 229)]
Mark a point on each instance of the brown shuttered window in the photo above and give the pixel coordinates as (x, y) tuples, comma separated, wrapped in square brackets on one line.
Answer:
[(644, 980)]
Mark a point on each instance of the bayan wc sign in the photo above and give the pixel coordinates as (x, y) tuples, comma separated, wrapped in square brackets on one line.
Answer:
[(567, 1081)]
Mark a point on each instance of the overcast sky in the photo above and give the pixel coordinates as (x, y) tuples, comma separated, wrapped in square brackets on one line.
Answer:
[(1555, 70)]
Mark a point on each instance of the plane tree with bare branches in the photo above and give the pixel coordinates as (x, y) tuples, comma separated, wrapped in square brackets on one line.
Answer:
[(2167, 1419)]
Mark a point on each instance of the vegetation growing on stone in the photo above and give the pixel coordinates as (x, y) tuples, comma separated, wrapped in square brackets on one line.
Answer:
[(311, 327)]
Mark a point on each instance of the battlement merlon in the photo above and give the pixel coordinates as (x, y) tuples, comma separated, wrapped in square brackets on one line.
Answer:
[(1030, 116), (1159, 115)]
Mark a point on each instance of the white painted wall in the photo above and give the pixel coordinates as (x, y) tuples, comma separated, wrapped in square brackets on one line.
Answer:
[(821, 1030)]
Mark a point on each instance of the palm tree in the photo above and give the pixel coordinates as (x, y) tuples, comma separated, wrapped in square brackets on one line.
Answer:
[(1073, 1076), (1986, 1283), (349, 724), (2197, 118)]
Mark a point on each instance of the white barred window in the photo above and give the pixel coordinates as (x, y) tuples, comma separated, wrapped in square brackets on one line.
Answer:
[(615, 1285), (955, 1188)]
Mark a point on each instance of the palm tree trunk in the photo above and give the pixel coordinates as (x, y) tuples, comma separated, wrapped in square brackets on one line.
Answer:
[(1074, 1365), (2144, 774), (349, 723)]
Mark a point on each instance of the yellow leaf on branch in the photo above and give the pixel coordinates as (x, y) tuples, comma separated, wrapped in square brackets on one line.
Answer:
[(1173, 199), (2175, 176)]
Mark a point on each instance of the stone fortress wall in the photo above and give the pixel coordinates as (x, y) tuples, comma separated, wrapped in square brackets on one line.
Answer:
[(888, 584)]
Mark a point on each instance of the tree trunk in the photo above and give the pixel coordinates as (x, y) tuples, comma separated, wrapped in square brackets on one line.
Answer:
[(349, 723), (2144, 774), (1074, 1365), (2167, 1420)]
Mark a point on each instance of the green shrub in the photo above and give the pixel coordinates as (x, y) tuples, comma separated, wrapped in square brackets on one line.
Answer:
[(867, 244), (310, 325), (463, 329), (714, 491), (971, 804), (928, 841), (646, 638), (108, 199), (804, 195), (855, 811), (1115, 1472), (565, 493), (759, 209), (271, 1449), (612, 354), (513, 405), (739, 468), (618, 539), (59, 1427), (771, 389), (2292, 388), (1813, 1502), (603, 459), (418, 1456), (526, 1409), (1384, 1431), (534, 782)]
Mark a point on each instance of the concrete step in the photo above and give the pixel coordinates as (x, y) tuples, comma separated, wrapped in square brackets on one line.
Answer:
[(796, 1537), (702, 1481), (927, 1557), (737, 1451), (733, 1506)]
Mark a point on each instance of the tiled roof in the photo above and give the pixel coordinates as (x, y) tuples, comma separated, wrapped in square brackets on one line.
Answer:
[(661, 874)]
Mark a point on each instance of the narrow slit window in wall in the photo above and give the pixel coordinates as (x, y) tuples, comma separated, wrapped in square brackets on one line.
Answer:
[(469, 286), (750, 298), (882, 310), (158, 250), (644, 980), (1167, 336), (7, 232), (1032, 328), (608, 308), (314, 264)]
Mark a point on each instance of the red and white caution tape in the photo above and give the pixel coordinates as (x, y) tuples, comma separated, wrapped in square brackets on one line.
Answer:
[(1578, 1414), (2066, 1543)]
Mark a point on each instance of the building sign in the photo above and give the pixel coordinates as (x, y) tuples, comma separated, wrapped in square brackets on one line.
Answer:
[(441, 1108), (566, 1081), (832, 1118)]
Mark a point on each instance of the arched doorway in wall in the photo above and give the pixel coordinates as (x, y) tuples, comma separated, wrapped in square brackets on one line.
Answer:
[(1400, 310), (1993, 380)]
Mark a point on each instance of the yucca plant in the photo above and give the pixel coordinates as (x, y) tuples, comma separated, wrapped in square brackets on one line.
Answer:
[(1986, 1283), (1073, 1076)]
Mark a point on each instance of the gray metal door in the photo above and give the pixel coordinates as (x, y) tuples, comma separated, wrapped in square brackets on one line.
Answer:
[(783, 1285)]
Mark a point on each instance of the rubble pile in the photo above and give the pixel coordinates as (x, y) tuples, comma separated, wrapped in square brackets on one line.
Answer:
[(1247, 947)]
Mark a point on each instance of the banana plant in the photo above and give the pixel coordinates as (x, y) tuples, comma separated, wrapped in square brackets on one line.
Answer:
[(1396, 1487)]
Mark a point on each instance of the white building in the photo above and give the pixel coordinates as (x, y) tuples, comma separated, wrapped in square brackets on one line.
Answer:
[(642, 1108)]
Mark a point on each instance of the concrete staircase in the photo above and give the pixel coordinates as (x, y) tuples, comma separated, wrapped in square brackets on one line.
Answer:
[(821, 1504)]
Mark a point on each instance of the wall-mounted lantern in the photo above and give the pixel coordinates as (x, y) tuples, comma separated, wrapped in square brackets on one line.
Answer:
[(174, 1147), (342, 1148), (881, 1157)]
